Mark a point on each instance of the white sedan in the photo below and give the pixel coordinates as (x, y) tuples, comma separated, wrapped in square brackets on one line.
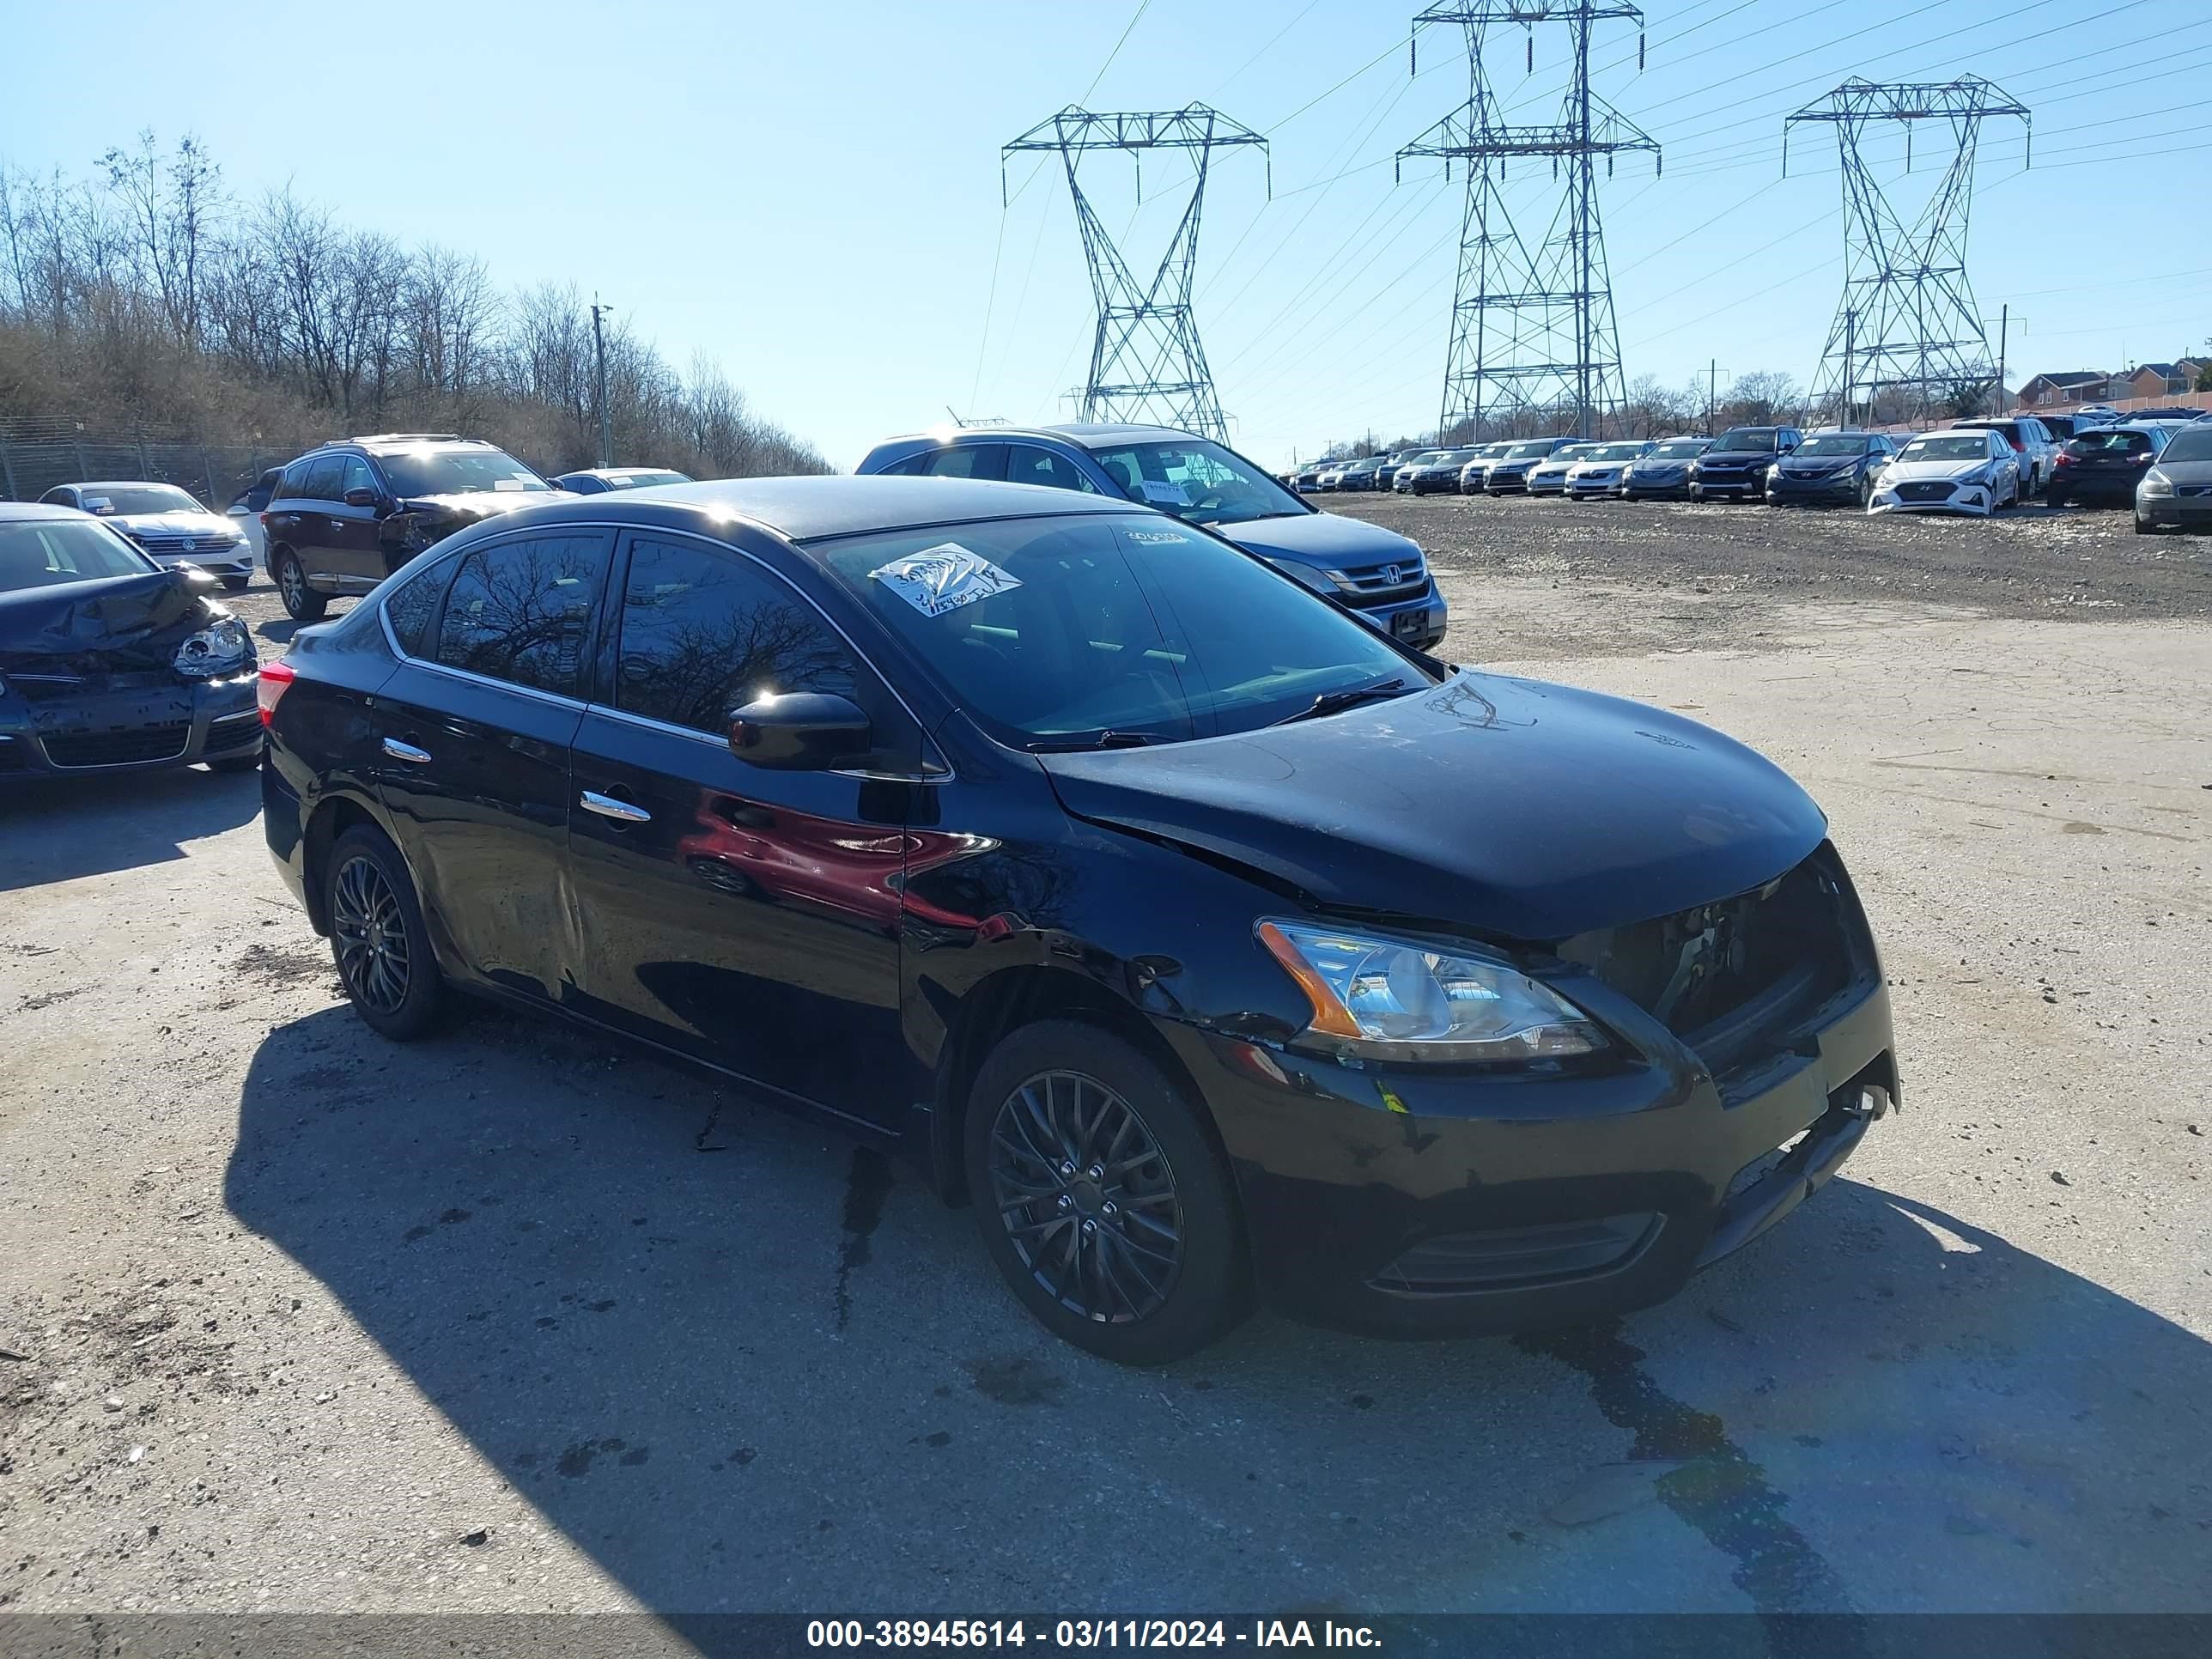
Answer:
[(1969, 470)]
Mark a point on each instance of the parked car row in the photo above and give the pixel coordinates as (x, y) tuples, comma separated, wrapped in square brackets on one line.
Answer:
[(1974, 466)]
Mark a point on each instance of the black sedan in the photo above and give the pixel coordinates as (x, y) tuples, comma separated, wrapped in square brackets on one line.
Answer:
[(1206, 959), (111, 663), (1830, 468)]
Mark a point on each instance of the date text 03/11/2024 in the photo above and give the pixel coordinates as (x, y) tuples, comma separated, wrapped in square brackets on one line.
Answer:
[(940, 1634)]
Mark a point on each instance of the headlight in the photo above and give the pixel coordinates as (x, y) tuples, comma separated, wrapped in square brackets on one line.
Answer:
[(2155, 483), (220, 646), (1319, 580), (1383, 999)]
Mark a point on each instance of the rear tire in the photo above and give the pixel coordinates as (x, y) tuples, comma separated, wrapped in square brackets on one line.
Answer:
[(302, 602), (1143, 1263), (378, 939)]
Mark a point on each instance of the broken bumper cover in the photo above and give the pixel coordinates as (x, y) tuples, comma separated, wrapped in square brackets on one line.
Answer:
[(131, 730), (1412, 1201)]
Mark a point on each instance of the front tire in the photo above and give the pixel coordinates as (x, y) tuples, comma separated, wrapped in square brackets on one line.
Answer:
[(2144, 526), (1102, 1196), (301, 603), (236, 584), (377, 936), (246, 762)]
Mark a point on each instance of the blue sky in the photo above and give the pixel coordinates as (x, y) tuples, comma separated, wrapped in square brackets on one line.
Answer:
[(812, 193)]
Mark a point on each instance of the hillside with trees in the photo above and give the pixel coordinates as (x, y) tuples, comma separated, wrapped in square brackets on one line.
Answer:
[(147, 298)]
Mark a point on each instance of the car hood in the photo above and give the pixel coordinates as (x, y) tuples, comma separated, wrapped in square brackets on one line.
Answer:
[(119, 623), (1508, 807), (170, 524), (1924, 472), (1328, 541), (481, 503)]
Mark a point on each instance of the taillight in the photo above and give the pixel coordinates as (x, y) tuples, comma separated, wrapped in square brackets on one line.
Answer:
[(2064, 459), (275, 677)]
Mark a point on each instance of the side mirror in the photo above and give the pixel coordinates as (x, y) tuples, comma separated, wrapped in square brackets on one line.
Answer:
[(364, 497), (799, 732)]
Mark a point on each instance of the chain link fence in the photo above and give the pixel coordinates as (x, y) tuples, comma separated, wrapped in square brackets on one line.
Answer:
[(36, 454)]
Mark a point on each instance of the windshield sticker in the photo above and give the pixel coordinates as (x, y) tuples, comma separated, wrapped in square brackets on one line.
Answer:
[(510, 483), (1154, 538), (1168, 494), (942, 578), (98, 504)]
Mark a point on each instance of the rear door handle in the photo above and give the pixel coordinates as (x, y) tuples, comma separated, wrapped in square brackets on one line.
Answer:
[(607, 806), (406, 751)]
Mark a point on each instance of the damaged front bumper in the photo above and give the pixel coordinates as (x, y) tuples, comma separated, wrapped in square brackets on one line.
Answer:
[(88, 730), (1435, 1200)]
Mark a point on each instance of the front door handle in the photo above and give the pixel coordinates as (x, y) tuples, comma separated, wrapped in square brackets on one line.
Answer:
[(607, 806), (406, 751)]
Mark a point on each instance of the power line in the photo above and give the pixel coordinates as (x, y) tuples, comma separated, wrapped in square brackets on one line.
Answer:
[(1265, 50)]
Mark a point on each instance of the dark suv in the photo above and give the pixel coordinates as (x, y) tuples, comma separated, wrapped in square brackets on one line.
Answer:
[(345, 516), (1735, 467)]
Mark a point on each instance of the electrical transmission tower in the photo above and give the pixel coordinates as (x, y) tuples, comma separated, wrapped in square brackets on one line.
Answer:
[(1532, 329), (1145, 361), (1908, 327)]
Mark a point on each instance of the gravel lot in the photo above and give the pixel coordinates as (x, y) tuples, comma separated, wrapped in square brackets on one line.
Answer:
[(510, 1321)]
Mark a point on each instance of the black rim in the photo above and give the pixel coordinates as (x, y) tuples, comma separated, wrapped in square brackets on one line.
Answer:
[(1086, 1198), (371, 935)]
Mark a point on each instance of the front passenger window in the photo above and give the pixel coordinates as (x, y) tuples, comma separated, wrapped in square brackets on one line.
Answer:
[(521, 612), (705, 631)]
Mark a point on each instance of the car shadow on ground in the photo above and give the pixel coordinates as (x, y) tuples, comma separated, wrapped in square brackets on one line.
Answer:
[(745, 1365), (59, 829)]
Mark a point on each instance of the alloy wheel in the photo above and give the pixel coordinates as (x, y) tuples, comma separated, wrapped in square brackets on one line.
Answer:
[(1086, 1197), (372, 936), (294, 584)]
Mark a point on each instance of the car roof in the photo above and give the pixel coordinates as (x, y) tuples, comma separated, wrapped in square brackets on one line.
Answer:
[(1083, 434), (810, 508), (614, 472), (20, 512), (123, 483)]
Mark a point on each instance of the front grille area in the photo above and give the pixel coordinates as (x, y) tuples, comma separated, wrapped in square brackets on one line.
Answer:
[(1505, 1258), (154, 542), (1383, 584), (1938, 490), (65, 687), (146, 743), (1736, 980)]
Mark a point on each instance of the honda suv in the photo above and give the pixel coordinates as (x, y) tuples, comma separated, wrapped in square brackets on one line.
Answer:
[(345, 516)]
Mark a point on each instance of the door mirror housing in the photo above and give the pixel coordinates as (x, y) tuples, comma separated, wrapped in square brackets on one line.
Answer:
[(360, 497), (800, 732)]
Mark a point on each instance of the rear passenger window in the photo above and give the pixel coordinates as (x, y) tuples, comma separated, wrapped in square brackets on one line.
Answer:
[(521, 612), (968, 461), (1025, 464), (412, 608), (322, 480), (705, 631)]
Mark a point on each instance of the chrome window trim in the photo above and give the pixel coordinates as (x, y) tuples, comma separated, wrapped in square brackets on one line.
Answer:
[(945, 775)]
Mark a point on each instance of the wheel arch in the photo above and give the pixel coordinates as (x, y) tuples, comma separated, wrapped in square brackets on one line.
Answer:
[(1002, 1003), (333, 816)]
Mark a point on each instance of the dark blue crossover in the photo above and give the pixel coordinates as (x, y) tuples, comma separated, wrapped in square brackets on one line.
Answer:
[(1377, 573)]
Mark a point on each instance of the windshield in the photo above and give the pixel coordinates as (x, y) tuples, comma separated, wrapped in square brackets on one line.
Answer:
[(107, 500), (1679, 449), (2191, 443), (1529, 452), (640, 480), (1197, 480), (456, 472), (43, 552), (1058, 631), (1834, 444), (1619, 452), (1967, 447), (1576, 452), (1457, 457), (1753, 438)]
